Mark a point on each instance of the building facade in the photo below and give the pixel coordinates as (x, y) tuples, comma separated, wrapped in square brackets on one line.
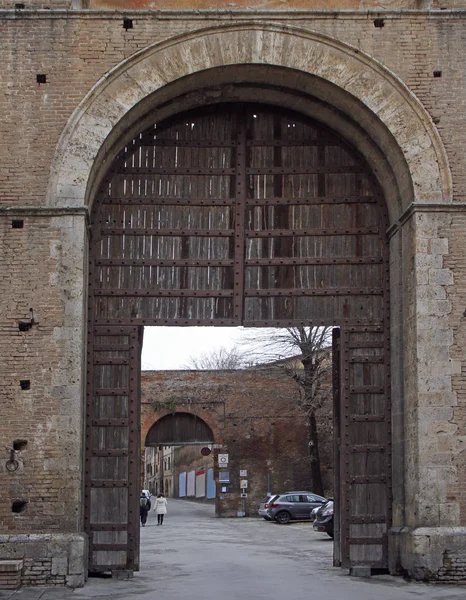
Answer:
[(81, 81), (250, 414)]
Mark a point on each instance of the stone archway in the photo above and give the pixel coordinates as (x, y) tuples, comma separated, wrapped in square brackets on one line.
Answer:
[(390, 127), (379, 101), (179, 428), (183, 432)]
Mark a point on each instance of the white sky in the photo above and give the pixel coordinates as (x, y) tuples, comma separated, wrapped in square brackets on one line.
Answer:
[(166, 348)]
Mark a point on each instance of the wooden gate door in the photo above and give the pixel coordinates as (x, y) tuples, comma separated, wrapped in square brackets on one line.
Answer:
[(112, 453), (336, 383), (238, 214), (364, 430)]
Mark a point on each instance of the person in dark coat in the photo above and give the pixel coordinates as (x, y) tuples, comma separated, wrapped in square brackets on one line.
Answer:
[(144, 507)]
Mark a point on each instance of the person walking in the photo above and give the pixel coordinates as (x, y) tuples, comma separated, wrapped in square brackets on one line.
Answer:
[(160, 508), (144, 507)]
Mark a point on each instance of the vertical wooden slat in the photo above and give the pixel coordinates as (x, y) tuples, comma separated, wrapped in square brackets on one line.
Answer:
[(238, 277)]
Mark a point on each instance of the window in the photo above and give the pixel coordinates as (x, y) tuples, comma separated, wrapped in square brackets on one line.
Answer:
[(312, 499), (292, 498)]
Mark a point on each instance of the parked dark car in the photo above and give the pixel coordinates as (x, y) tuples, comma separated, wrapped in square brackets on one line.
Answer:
[(314, 512), (294, 506), (264, 505), (324, 519)]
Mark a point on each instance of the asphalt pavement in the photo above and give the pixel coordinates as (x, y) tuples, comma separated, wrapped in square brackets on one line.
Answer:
[(195, 556)]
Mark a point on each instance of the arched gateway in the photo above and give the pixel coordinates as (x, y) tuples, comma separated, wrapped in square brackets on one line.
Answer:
[(238, 213)]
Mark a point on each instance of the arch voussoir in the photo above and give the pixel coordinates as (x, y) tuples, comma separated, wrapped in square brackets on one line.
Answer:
[(301, 52)]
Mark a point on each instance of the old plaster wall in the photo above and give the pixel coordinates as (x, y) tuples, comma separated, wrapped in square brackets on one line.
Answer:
[(43, 183)]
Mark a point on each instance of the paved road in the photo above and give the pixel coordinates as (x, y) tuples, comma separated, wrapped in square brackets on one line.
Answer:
[(195, 556)]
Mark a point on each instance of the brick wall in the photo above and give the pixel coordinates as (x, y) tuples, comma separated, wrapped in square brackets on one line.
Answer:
[(256, 422), (44, 415), (76, 50), (329, 5)]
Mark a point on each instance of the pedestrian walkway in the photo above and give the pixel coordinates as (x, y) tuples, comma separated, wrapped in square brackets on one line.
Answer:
[(194, 556)]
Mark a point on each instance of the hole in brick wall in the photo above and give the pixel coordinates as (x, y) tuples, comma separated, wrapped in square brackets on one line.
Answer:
[(18, 506), (379, 23), (27, 325), (437, 73), (19, 445), (41, 78), (17, 224), (25, 384), (127, 24), (19, 6)]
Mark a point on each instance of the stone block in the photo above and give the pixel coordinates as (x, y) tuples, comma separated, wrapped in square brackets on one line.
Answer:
[(450, 514), (441, 276), (11, 566), (436, 383), (428, 260), (455, 367), (439, 246), (75, 581), (425, 552), (59, 565)]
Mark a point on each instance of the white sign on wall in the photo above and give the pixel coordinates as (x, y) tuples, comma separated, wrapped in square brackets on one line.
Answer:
[(244, 484), (243, 473), (223, 460)]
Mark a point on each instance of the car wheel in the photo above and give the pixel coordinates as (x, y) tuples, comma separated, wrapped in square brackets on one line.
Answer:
[(283, 517)]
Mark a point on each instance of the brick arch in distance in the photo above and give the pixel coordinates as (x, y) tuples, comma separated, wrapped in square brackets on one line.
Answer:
[(150, 417), (400, 131)]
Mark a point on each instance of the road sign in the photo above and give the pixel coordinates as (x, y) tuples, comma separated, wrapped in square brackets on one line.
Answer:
[(223, 460)]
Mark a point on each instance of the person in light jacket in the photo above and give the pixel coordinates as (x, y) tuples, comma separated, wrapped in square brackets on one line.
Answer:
[(160, 508)]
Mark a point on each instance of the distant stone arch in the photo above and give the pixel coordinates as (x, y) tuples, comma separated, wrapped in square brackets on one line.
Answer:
[(179, 428)]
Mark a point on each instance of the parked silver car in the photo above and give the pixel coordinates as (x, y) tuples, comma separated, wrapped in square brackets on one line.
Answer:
[(264, 505), (293, 506)]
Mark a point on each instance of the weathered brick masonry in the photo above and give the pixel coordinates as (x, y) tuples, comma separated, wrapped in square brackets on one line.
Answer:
[(43, 260), (255, 420)]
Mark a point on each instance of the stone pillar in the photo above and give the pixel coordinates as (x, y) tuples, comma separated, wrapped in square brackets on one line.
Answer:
[(428, 538)]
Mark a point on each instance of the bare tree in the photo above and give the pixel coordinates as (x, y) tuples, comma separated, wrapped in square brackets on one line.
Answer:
[(303, 354), (218, 359)]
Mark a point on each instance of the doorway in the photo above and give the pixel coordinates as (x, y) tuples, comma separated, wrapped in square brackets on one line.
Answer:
[(238, 214)]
